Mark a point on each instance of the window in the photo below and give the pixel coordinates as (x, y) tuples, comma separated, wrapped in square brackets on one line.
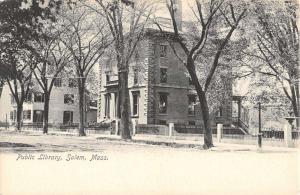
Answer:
[(38, 97), (11, 116), (28, 98), (107, 106), (38, 116), (57, 82), (219, 112), (107, 78), (69, 98), (135, 103), (68, 117), (72, 82), (163, 50), (163, 75), (192, 123), (163, 103), (162, 122), (135, 76), (191, 106), (26, 114)]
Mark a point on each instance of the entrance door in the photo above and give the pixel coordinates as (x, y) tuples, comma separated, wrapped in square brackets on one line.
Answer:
[(38, 116), (68, 117)]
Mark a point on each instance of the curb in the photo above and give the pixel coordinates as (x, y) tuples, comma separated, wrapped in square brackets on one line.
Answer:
[(151, 142)]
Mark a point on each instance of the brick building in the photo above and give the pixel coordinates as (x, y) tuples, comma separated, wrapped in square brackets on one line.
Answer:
[(160, 88)]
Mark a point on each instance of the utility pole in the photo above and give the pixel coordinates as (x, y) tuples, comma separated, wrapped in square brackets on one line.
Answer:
[(259, 125)]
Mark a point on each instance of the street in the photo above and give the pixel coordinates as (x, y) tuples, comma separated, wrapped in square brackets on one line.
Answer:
[(52, 164)]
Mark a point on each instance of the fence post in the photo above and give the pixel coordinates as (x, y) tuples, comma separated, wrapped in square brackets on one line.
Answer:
[(219, 132), (133, 127), (288, 135), (171, 128)]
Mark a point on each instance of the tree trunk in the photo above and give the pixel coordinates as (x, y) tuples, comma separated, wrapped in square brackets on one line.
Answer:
[(124, 105), (295, 104), (1, 87), (208, 142), (296, 112), (81, 88), (19, 116), (46, 113)]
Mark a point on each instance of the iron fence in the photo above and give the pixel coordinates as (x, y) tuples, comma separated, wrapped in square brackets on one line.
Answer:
[(198, 129), (152, 129), (37, 126), (190, 129), (4, 124)]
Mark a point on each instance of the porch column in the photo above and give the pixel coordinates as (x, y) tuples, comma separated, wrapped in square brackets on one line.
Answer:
[(112, 106), (117, 126)]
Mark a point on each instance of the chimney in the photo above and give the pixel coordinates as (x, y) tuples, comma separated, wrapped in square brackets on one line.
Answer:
[(177, 4)]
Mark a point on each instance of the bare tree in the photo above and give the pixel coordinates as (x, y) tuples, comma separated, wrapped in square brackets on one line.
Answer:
[(127, 21), (207, 15), (53, 58), (87, 38)]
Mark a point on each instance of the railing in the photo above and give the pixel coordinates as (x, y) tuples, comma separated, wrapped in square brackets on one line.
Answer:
[(240, 123)]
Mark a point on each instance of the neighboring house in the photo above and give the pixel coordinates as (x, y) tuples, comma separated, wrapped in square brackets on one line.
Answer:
[(63, 106)]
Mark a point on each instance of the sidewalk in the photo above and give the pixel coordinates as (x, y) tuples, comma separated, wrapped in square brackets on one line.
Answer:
[(176, 142), (195, 142)]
